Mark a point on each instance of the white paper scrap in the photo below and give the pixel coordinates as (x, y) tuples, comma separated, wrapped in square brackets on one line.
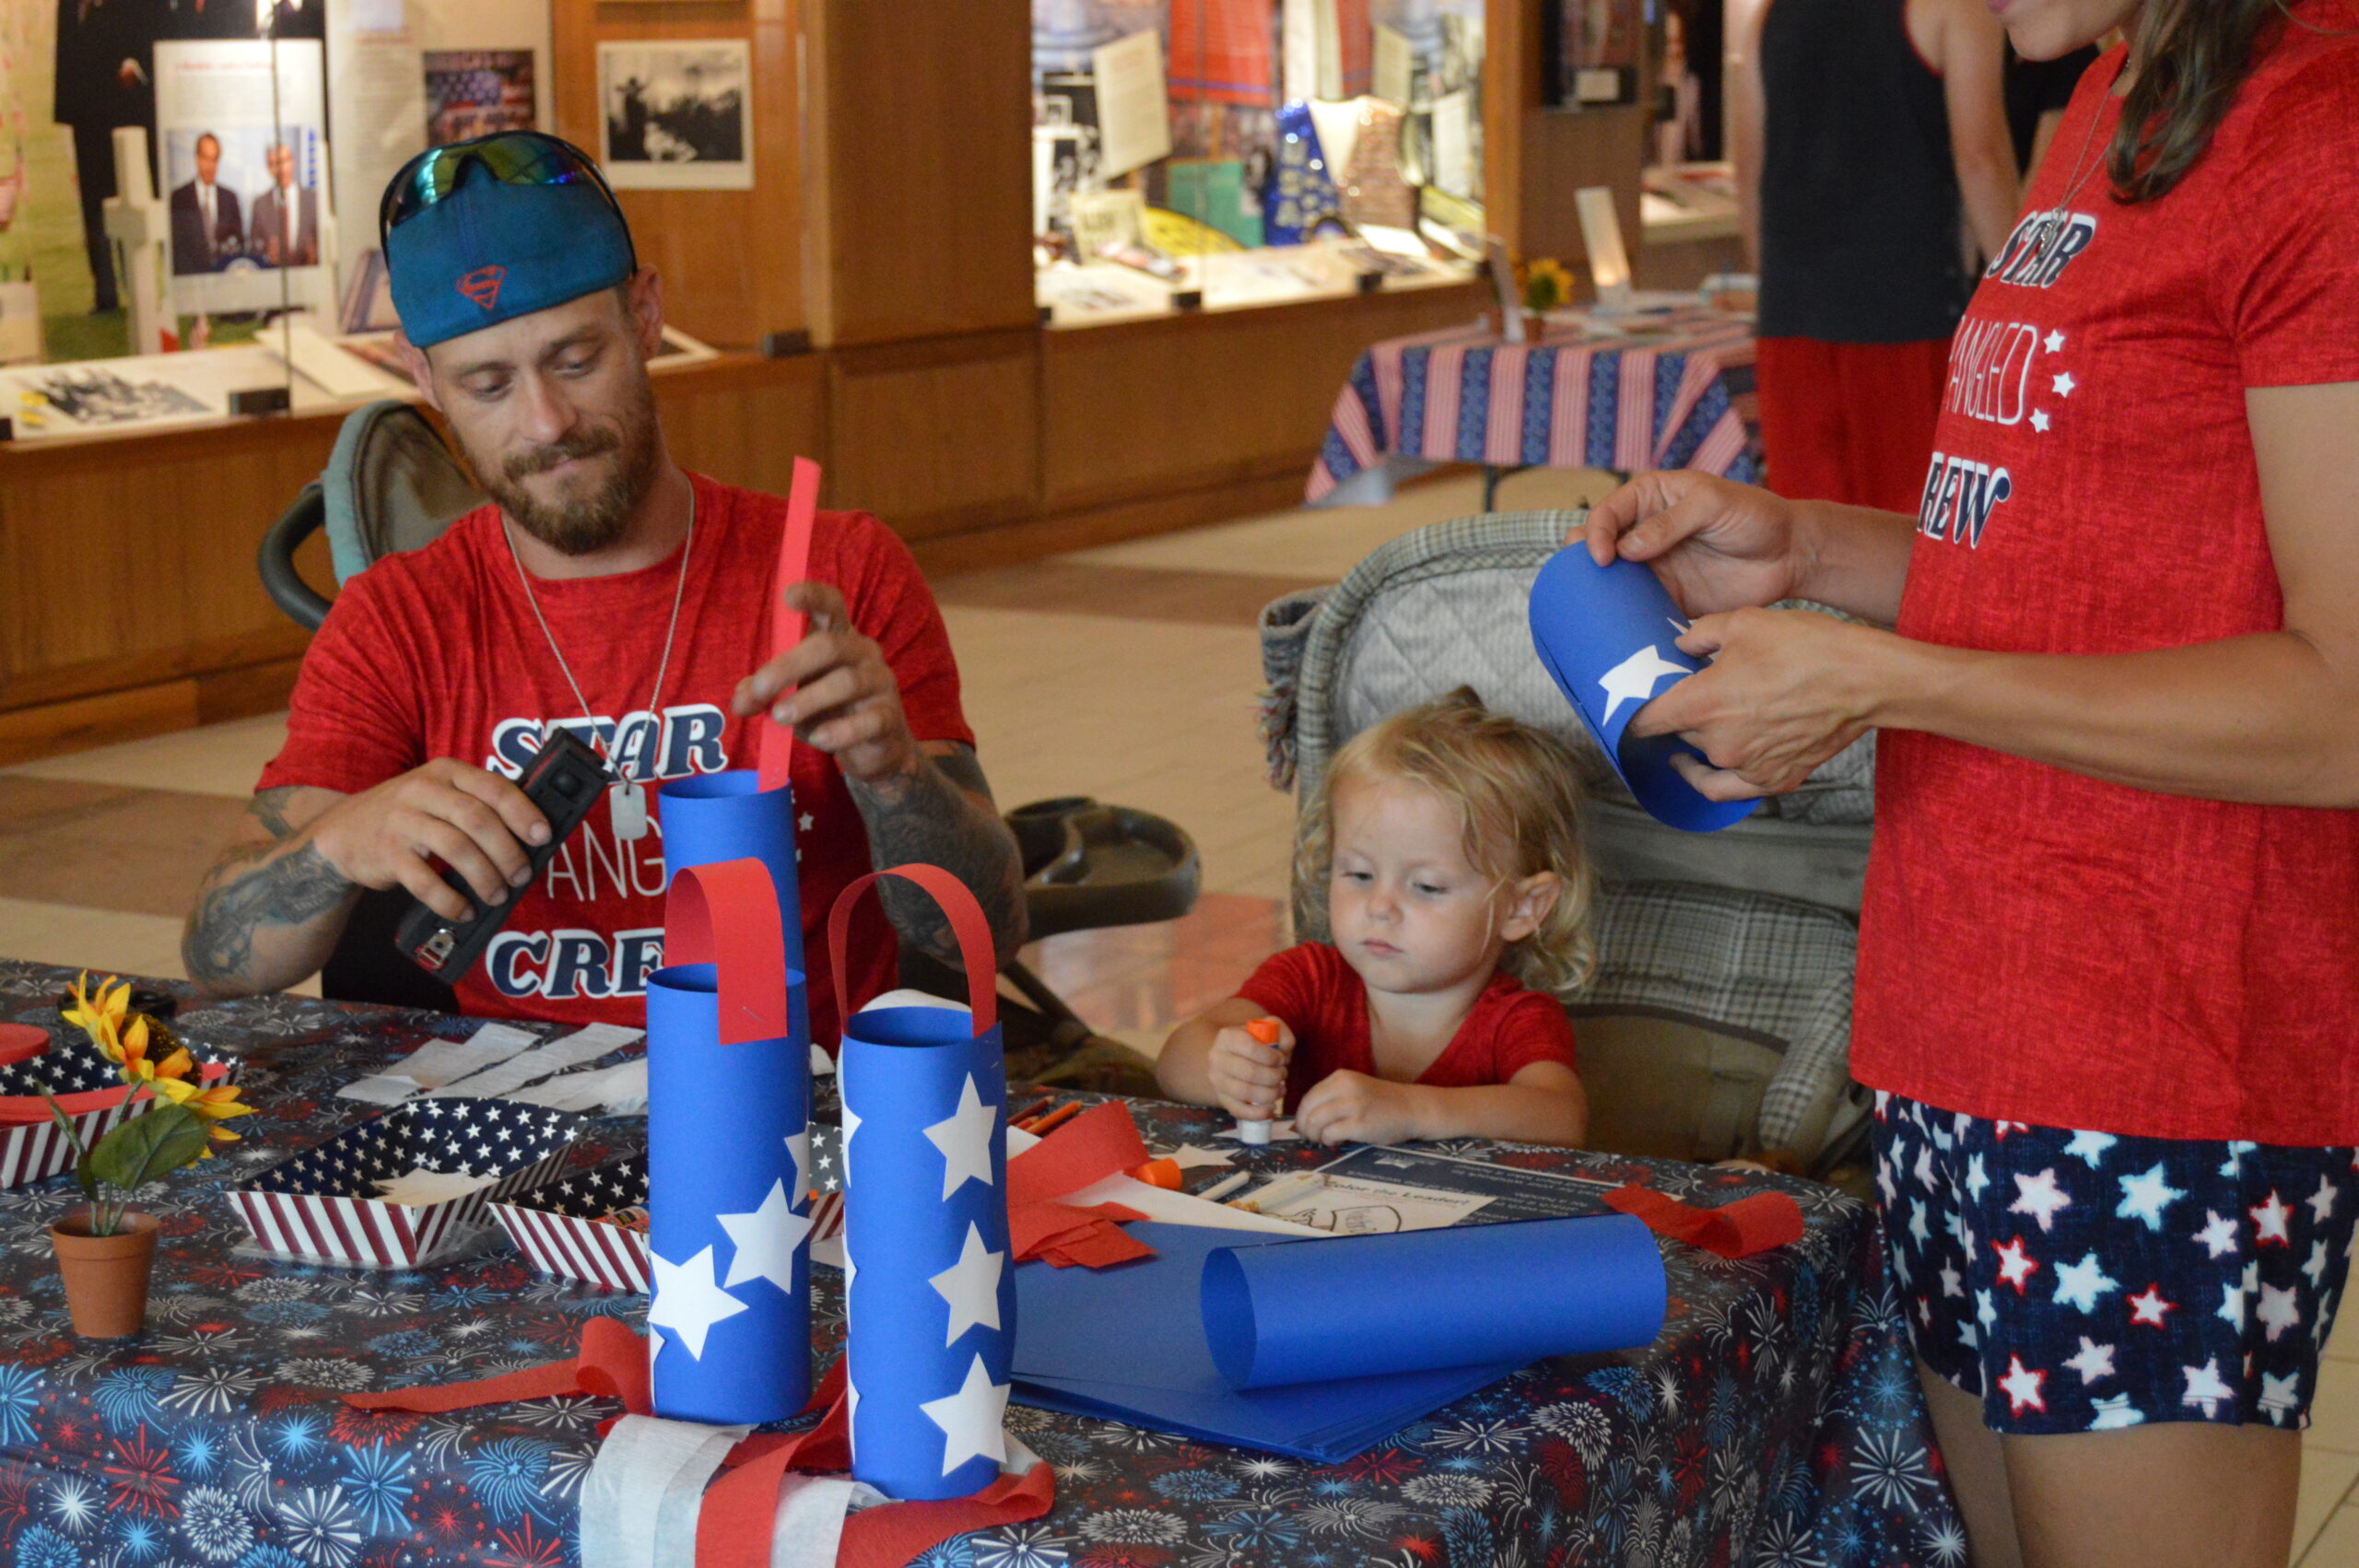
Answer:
[(380, 1089), (421, 1187), (620, 1089), (530, 1066), (437, 1062)]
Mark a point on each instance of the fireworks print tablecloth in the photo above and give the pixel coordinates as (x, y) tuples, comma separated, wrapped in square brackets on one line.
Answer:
[(1680, 396), (1776, 1422)]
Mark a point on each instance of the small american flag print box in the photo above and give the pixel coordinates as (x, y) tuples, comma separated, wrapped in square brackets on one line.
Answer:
[(561, 1228), (323, 1203), (31, 1146)]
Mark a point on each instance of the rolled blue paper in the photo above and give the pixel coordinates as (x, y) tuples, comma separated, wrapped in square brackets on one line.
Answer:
[(929, 1293), (1416, 1301), (1609, 636), (728, 1207), (709, 817)]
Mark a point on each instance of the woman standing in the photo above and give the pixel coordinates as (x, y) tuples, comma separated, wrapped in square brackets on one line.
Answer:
[(2110, 953)]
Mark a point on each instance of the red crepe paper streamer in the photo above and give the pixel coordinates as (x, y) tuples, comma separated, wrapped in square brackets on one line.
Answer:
[(1099, 1142), (1734, 1229), (740, 1509), (774, 748)]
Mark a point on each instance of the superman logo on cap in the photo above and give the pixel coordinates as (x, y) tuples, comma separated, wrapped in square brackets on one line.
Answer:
[(482, 285)]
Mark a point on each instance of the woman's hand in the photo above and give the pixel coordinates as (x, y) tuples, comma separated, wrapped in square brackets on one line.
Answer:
[(1785, 690), (1717, 545)]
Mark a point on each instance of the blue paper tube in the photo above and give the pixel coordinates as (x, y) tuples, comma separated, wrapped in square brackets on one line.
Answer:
[(1363, 1307), (728, 1159), (1609, 637), (930, 1291), (710, 817)]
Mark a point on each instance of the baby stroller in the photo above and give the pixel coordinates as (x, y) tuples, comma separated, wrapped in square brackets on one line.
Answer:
[(390, 484), (1718, 1021)]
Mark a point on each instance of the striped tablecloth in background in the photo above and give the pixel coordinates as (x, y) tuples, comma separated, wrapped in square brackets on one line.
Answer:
[(1678, 395)]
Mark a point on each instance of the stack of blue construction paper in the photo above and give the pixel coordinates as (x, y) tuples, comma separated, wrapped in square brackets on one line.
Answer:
[(1379, 1345)]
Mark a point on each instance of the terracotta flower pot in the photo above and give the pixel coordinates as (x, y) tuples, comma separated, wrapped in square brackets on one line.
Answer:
[(106, 1277)]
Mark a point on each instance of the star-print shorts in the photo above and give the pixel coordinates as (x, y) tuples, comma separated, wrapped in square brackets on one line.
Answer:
[(2078, 1281)]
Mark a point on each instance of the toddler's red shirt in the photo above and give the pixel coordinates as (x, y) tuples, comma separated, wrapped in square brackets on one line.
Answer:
[(435, 652), (1325, 1004)]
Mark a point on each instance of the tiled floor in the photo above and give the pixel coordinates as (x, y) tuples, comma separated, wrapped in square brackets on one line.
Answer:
[(1129, 672)]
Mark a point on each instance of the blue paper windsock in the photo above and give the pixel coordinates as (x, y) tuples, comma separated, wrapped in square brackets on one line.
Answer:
[(1609, 636), (710, 817), (929, 1293), (728, 1155)]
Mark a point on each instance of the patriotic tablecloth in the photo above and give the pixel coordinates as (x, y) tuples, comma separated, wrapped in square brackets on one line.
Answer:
[(1776, 1422), (1678, 395)]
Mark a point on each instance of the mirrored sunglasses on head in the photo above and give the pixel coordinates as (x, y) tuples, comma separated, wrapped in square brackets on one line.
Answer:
[(512, 157)]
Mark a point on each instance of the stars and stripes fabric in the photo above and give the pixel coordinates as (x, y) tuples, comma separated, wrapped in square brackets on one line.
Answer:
[(323, 1203), (2080, 1281), (728, 1155), (572, 1228), (930, 1290), (88, 1089)]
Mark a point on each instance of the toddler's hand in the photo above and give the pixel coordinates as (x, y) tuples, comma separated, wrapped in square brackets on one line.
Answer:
[(1352, 1107), (1250, 1077)]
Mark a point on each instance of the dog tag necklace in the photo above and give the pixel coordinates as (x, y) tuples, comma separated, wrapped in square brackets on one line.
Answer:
[(626, 800)]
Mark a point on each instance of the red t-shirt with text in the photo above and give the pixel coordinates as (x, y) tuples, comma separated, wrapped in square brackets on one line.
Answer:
[(435, 652), (1324, 1001), (2037, 945)]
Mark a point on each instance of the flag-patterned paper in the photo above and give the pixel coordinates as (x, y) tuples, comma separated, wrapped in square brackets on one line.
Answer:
[(323, 1203), (34, 1149), (565, 1227)]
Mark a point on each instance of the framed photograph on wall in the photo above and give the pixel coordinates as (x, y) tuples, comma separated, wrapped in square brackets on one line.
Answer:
[(1594, 50), (677, 115)]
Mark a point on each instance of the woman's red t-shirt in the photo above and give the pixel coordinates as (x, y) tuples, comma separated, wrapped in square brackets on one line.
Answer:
[(2036, 944), (1325, 1004)]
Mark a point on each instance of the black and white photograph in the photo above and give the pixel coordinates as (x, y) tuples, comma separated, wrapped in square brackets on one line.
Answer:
[(676, 116)]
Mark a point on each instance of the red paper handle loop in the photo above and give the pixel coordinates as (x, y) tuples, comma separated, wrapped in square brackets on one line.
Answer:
[(746, 944), (967, 922), (774, 749)]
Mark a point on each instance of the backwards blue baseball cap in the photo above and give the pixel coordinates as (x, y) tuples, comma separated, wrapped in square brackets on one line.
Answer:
[(485, 230)]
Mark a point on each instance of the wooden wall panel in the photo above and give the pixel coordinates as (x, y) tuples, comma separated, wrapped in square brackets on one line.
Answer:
[(939, 436), (745, 421), (1192, 402), (919, 201), (731, 260), (1536, 158)]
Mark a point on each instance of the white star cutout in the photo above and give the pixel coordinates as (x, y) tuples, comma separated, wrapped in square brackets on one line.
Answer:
[(2146, 1196), (2149, 1307), (2021, 1384), (1953, 1283), (2081, 1284), (971, 1286), (2090, 1147), (1634, 679), (2064, 384), (2270, 1222), (2015, 1266), (2237, 1149), (2054, 343), (2114, 1413), (1188, 1157), (2321, 1202), (2278, 1310), (965, 1140), (1917, 1225), (2040, 421), (1977, 1179), (2204, 1387), (2040, 1197), (687, 1302), (2280, 1394), (2218, 1236), (1925, 1169), (852, 1125), (765, 1239), (2316, 1267), (971, 1420), (2094, 1362), (798, 1149)]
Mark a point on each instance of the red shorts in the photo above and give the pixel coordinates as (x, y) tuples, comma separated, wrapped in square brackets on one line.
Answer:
[(1850, 422)]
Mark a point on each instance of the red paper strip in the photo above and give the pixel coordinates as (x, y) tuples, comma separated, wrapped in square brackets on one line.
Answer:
[(1734, 1229), (744, 943), (774, 748), (1102, 1141), (967, 922)]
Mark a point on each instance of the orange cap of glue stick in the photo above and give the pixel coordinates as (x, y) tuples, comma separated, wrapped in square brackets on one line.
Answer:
[(1264, 1030), (1163, 1172)]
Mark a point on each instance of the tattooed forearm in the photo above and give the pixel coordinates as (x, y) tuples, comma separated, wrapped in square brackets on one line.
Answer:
[(269, 808), (255, 888), (933, 815)]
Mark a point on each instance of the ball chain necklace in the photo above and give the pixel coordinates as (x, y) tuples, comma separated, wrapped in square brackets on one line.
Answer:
[(626, 801)]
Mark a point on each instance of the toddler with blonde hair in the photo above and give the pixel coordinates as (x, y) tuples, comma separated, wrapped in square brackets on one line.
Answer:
[(1459, 902)]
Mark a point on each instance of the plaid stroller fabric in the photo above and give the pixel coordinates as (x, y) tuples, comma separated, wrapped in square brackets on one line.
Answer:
[(1445, 606)]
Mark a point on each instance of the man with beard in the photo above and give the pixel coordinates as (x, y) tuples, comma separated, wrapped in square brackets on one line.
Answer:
[(605, 590)]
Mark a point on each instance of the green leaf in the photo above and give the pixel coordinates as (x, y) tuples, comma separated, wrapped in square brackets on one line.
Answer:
[(149, 1147)]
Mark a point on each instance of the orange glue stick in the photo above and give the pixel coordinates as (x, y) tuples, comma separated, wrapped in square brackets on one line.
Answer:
[(1264, 1030)]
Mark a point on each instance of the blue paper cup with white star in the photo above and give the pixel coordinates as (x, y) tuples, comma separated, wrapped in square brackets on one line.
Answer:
[(727, 1162), (710, 817), (1609, 636), (930, 1294)]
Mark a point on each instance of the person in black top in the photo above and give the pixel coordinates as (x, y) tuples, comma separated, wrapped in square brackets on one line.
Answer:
[(2037, 92), (1870, 142)]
